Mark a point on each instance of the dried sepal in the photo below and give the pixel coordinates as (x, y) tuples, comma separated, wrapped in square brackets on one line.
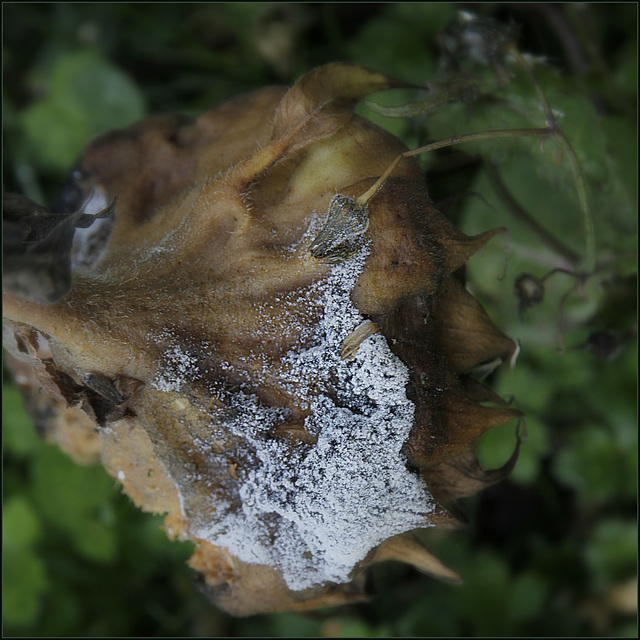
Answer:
[(466, 335), (448, 423), (243, 589), (405, 548), (463, 476), (352, 342)]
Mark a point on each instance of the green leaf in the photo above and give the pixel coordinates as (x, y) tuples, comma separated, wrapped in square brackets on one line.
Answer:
[(625, 630), (64, 611), (482, 596), (67, 494), (596, 465), (23, 582), (612, 551), (392, 48), (87, 95), (525, 599), (20, 525), (294, 625), (348, 627), (96, 541), (18, 433), (626, 74)]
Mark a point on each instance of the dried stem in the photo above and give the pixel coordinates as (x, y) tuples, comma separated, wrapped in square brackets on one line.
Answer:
[(449, 142)]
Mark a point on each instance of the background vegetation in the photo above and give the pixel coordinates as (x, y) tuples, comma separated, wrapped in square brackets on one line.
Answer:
[(550, 552)]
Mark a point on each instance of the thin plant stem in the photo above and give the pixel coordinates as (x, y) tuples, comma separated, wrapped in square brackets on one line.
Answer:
[(578, 175), (449, 142), (481, 135)]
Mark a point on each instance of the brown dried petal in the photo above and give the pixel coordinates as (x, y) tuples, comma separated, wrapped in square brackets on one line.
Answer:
[(405, 548), (245, 589), (334, 88), (466, 336), (463, 476)]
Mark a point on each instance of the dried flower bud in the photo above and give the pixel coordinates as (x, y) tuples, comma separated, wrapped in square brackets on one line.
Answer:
[(529, 290), (281, 371), (342, 234), (484, 41), (605, 344)]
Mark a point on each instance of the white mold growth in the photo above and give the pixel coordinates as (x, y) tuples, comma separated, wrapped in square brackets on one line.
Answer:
[(179, 368), (315, 511)]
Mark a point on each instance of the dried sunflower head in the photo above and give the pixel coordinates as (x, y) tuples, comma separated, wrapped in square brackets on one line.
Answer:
[(279, 368)]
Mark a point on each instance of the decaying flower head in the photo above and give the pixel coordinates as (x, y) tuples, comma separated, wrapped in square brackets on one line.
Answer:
[(278, 367)]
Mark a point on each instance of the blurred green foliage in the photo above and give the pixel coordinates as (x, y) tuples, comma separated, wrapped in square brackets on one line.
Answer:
[(85, 95), (550, 552)]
